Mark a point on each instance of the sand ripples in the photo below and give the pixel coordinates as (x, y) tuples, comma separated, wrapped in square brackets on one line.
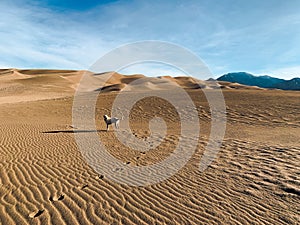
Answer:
[(45, 181)]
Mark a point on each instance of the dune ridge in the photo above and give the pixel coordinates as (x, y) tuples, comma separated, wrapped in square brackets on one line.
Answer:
[(22, 85)]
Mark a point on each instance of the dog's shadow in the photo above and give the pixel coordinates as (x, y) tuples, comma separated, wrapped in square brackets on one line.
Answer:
[(72, 131)]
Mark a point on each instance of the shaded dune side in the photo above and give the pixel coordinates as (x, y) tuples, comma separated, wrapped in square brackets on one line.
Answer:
[(189, 82), (113, 81), (229, 85), (31, 85), (46, 71), (152, 83)]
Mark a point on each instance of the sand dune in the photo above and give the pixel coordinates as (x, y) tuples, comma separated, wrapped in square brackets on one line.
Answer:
[(44, 178), (32, 85), (229, 85)]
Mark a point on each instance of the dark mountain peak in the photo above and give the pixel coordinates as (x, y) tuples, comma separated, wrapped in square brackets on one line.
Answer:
[(264, 81), (293, 84), (266, 76), (211, 79), (238, 74)]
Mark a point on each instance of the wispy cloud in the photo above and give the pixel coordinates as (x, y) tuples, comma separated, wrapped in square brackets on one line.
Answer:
[(152, 69), (33, 36), (286, 72), (228, 36)]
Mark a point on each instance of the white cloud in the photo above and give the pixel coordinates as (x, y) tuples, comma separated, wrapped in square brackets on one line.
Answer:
[(33, 36), (152, 69), (244, 36), (286, 72)]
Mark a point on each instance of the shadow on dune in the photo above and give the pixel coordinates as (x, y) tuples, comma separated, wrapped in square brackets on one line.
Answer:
[(72, 131)]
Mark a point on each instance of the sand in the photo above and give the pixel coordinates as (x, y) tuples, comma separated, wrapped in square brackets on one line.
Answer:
[(44, 178)]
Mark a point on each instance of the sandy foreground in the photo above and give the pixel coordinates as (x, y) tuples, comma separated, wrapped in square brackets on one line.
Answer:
[(44, 178)]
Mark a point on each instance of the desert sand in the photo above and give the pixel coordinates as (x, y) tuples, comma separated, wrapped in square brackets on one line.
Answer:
[(44, 178)]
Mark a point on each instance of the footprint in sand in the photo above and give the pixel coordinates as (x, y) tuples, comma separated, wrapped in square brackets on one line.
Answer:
[(36, 213), (118, 169), (56, 198), (100, 177), (84, 186)]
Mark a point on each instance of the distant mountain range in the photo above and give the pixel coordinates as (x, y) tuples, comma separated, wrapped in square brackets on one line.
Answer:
[(261, 81)]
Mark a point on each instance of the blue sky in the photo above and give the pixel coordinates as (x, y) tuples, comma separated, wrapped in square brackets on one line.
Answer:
[(261, 37)]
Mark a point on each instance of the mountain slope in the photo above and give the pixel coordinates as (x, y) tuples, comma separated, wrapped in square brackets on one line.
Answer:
[(293, 84), (249, 79), (261, 81)]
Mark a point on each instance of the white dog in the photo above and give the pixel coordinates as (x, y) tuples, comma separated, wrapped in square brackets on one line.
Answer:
[(110, 121)]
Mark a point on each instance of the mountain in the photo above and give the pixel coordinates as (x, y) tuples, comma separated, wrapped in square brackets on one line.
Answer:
[(251, 80), (261, 81), (293, 84)]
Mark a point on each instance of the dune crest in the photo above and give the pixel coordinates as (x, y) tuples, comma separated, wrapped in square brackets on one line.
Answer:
[(36, 84)]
